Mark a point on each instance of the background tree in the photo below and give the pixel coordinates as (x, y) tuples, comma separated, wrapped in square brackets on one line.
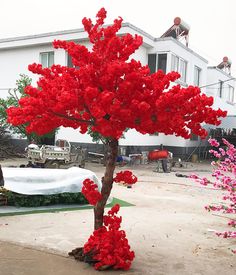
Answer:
[(107, 92), (224, 171), (14, 95), (7, 149)]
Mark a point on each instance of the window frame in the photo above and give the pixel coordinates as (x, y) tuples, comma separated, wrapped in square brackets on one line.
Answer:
[(158, 59), (47, 54), (197, 76), (152, 64), (231, 94), (176, 66), (69, 62), (193, 137), (221, 89)]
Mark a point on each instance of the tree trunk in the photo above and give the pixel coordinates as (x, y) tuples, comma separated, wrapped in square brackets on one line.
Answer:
[(107, 182), (1, 177)]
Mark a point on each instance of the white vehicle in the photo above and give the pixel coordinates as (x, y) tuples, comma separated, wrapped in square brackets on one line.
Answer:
[(59, 156)]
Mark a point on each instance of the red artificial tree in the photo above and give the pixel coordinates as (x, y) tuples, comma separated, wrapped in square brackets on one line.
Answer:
[(107, 92)]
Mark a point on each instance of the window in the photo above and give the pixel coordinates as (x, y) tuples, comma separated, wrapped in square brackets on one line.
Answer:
[(47, 59), (157, 62), (161, 64), (182, 69), (197, 75), (175, 63), (193, 137), (69, 61), (179, 65), (152, 62), (231, 94), (221, 88), (155, 134)]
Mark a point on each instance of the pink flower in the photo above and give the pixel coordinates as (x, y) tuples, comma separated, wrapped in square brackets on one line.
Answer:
[(213, 142)]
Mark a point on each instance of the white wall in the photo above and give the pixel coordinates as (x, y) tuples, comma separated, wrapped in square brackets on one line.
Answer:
[(132, 137), (141, 55), (170, 46), (14, 62), (214, 75), (73, 135)]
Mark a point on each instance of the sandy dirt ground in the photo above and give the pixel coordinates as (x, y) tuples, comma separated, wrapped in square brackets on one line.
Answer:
[(168, 228)]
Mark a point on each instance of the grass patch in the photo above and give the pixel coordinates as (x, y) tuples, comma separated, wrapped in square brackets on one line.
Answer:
[(54, 209)]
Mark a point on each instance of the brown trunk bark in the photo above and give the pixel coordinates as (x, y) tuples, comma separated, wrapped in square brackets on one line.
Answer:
[(107, 182), (1, 177)]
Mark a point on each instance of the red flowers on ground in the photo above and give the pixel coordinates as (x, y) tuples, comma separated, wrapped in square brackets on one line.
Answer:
[(91, 192), (125, 177), (109, 245)]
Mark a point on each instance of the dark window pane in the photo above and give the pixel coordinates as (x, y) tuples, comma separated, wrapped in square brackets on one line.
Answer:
[(193, 137), (162, 59), (50, 59), (197, 74), (69, 61), (221, 89), (152, 61)]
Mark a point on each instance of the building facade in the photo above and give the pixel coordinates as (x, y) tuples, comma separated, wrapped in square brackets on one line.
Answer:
[(167, 53)]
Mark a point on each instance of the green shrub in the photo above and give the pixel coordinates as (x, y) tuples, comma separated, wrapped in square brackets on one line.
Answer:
[(15, 199)]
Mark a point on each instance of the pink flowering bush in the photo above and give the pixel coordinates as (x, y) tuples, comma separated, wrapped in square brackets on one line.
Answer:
[(225, 179)]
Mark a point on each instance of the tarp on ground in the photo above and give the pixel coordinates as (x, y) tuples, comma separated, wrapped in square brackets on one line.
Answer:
[(41, 181)]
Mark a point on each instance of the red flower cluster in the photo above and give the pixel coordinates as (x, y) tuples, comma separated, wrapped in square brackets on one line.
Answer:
[(126, 177), (109, 245), (109, 92), (90, 191)]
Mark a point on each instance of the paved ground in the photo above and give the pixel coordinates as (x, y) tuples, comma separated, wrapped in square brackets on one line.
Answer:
[(20, 260), (168, 229)]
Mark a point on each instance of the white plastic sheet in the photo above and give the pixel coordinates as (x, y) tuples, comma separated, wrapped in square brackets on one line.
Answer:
[(40, 181)]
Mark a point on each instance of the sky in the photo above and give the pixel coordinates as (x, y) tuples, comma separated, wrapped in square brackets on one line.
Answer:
[(212, 22)]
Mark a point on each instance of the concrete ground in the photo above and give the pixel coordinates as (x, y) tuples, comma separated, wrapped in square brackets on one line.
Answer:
[(168, 229), (21, 260)]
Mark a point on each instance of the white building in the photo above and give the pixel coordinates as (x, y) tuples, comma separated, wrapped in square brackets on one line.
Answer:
[(167, 53)]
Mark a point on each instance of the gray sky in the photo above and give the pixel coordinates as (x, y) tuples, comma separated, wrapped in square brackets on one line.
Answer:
[(212, 22)]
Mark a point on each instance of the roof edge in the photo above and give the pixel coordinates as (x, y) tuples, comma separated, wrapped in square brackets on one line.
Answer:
[(219, 70), (181, 45), (72, 31)]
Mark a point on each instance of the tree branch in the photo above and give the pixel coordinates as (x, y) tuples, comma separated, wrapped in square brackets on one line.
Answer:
[(73, 118), (15, 95)]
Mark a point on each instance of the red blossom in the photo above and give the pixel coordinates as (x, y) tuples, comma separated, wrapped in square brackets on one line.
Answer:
[(109, 244), (110, 92), (91, 192), (125, 177)]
